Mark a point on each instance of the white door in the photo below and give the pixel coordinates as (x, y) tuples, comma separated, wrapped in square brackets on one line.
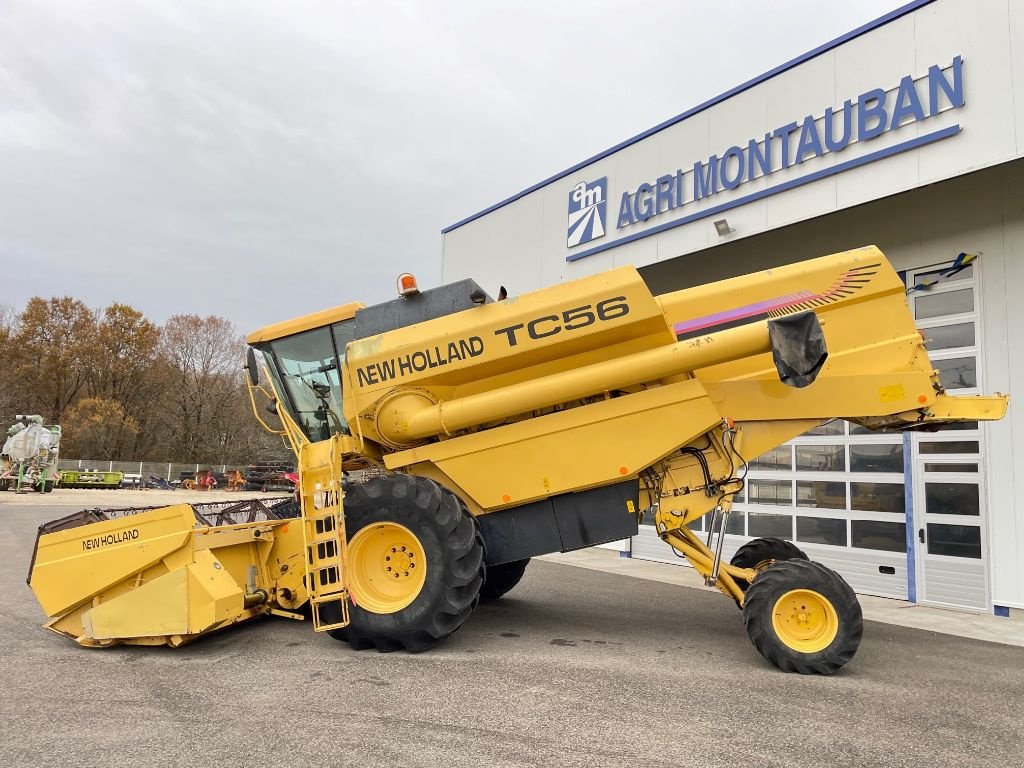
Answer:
[(948, 479)]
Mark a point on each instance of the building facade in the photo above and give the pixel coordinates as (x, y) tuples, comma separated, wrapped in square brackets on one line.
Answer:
[(907, 133)]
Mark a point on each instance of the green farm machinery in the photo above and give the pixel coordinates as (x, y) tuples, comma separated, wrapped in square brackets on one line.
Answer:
[(29, 457)]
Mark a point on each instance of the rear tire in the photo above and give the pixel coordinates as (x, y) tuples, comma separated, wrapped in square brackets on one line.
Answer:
[(450, 549), (501, 579), (760, 552), (48, 486), (803, 617)]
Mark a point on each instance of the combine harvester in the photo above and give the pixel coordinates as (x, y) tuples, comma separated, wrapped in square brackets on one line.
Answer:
[(29, 457), (493, 432)]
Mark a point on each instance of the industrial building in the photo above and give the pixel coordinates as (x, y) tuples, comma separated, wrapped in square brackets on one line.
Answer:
[(906, 133)]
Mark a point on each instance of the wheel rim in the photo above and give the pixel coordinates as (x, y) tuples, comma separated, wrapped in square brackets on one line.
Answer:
[(387, 567), (805, 620)]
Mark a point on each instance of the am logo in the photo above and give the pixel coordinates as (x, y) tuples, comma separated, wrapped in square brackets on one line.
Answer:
[(588, 204)]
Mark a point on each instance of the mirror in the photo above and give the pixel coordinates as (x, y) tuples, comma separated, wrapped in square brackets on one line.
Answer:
[(250, 366)]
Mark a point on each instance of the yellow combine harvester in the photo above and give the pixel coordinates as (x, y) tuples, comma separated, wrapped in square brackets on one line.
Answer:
[(444, 439)]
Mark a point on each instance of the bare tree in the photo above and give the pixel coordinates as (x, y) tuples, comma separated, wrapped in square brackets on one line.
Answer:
[(203, 357)]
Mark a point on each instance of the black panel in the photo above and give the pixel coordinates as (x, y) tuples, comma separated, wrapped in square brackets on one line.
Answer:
[(515, 534), (562, 523), (409, 310), (598, 515)]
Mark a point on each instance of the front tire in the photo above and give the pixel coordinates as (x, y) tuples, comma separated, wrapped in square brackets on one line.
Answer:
[(396, 524), (803, 617), (501, 579)]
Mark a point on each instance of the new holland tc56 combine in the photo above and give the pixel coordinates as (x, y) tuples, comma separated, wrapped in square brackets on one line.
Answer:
[(493, 432)]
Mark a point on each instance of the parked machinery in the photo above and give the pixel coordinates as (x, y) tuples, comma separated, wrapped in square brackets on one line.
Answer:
[(29, 457), (444, 439), (90, 478)]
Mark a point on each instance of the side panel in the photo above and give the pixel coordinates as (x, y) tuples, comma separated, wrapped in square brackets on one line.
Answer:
[(73, 565), (561, 524), (571, 450)]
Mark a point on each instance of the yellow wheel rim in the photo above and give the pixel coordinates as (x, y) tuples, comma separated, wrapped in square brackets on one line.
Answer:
[(386, 567), (805, 620)]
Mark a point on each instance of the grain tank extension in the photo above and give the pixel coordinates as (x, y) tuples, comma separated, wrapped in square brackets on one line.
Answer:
[(443, 439)]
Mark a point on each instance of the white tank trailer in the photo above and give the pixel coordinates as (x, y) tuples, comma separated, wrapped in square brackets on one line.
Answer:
[(29, 457)]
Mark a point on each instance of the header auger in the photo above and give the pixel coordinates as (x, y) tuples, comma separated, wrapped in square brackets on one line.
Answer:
[(444, 439)]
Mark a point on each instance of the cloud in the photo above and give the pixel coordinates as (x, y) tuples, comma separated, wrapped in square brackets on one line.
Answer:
[(259, 160)]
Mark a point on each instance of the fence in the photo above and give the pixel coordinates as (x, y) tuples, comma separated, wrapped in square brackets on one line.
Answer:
[(167, 471)]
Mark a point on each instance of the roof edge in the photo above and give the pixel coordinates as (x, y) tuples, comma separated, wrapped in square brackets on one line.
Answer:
[(881, 21)]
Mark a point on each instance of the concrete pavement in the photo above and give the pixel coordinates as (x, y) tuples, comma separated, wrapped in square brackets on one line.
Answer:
[(576, 667), (978, 626)]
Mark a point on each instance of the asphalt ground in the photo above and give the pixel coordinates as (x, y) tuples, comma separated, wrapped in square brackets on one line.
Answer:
[(574, 668)]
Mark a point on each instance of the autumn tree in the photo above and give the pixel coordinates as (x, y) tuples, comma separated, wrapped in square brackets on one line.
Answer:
[(10, 384), (125, 369), (125, 389), (95, 427), (54, 338)]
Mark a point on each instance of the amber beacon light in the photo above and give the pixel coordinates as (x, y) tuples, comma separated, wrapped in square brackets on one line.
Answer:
[(407, 285)]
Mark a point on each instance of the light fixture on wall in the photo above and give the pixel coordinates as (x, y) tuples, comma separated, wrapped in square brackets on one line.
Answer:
[(722, 227)]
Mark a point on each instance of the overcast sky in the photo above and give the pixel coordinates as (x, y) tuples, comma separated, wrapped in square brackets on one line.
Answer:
[(259, 159)]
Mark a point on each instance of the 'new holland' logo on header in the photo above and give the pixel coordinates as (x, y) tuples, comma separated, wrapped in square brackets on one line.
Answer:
[(588, 204)]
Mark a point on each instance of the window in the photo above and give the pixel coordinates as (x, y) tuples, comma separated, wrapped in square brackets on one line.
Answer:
[(950, 467), (734, 525), (874, 534), (821, 458), (770, 492), (821, 530), (876, 458), (954, 540), (777, 458), (952, 498), (958, 372), (878, 497), (820, 494), (768, 524), (944, 303), (952, 446), (949, 336), (305, 370)]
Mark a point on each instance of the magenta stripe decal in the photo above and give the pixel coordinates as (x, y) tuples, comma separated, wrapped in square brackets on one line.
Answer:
[(719, 318)]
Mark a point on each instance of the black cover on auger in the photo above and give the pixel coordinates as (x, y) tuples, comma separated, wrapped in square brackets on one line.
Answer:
[(798, 348)]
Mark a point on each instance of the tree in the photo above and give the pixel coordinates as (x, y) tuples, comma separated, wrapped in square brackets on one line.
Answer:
[(10, 385), (95, 427), (125, 369), (204, 369), (54, 338)]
